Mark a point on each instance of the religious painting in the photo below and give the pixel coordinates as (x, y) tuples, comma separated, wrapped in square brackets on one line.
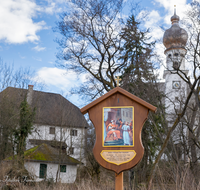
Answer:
[(118, 126)]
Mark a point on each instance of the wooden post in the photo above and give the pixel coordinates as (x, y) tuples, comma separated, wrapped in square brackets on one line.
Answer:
[(119, 181)]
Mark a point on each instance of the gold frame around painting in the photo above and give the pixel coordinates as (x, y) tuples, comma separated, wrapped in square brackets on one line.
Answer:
[(118, 126)]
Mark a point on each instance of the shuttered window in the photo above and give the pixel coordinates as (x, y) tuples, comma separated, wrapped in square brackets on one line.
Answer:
[(73, 132), (62, 168), (43, 171), (52, 130)]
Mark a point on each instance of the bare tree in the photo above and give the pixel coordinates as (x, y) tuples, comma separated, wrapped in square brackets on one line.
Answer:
[(92, 43)]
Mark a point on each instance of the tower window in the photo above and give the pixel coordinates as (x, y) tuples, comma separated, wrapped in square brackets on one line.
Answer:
[(175, 65), (176, 54), (169, 55)]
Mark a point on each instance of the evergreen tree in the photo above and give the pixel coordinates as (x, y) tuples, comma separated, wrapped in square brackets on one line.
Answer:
[(137, 52), (138, 78), (25, 127)]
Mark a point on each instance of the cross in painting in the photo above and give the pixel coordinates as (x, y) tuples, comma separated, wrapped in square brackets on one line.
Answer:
[(118, 79)]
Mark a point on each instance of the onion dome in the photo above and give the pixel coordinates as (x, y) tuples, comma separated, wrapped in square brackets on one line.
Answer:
[(175, 37)]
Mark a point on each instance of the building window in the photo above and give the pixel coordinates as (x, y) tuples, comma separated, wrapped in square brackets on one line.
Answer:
[(62, 168), (126, 114), (175, 65), (52, 130), (43, 171), (71, 150), (73, 132)]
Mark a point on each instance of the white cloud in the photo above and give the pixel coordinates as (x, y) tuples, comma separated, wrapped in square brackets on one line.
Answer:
[(16, 21), (152, 19), (152, 22), (168, 5), (57, 77), (16, 18), (38, 48), (60, 81), (53, 6)]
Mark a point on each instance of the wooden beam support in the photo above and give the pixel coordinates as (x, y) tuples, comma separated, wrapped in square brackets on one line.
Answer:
[(119, 181)]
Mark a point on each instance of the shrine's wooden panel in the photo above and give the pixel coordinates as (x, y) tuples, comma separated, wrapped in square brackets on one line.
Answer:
[(115, 152), (126, 156)]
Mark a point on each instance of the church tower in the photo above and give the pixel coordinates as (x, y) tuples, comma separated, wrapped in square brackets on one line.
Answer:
[(174, 39)]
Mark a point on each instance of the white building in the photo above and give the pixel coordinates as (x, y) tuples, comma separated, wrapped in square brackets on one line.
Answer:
[(43, 161), (58, 124)]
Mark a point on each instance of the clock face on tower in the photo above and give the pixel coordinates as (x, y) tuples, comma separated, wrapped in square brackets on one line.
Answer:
[(176, 84)]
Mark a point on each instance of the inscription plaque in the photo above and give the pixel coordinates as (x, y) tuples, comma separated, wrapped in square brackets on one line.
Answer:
[(118, 157)]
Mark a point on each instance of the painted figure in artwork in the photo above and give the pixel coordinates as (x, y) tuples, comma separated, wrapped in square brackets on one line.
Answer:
[(112, 131), (118, 126), (126, 130)]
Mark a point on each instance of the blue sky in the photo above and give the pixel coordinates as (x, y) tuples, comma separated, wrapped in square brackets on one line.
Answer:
[(27, 38)]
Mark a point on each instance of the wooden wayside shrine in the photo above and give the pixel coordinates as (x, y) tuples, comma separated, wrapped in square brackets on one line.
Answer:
[(118, 118)]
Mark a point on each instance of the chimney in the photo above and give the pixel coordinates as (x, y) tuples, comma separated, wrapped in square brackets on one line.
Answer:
[(30, 94)]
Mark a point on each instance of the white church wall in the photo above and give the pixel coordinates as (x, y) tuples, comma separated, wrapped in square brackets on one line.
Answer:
[(174, 96), (175, 55)]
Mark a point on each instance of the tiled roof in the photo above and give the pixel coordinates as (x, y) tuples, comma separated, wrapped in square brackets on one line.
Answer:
[(48, 154), (52, 143), (51, 109)]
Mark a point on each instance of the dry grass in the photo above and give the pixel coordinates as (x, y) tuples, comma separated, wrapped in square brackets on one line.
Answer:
[(90, 185), (165, 179)]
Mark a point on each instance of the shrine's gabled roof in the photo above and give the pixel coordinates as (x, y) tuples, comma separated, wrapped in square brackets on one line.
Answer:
[(85, 109)]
